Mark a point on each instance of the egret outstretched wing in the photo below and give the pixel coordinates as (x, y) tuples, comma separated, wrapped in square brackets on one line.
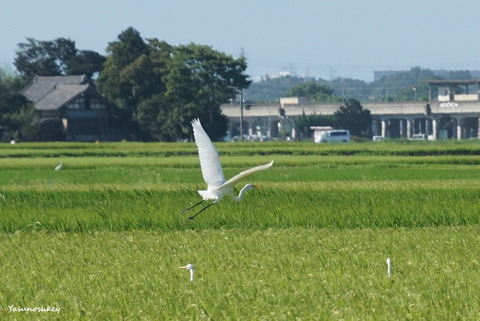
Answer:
[(209, 161), (234, 180), (213, 174)]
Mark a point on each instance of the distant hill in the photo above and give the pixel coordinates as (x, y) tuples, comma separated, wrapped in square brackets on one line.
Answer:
[(396, 86), (270, 90)]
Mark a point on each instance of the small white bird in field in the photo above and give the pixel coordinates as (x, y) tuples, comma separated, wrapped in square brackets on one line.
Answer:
[(190, 268), (213, 174), (59, 166), (389, 267)]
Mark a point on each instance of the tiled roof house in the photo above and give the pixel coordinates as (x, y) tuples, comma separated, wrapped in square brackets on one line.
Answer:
[(73, 104)]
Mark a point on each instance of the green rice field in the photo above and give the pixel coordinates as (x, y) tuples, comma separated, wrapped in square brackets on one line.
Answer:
[(103, 238)]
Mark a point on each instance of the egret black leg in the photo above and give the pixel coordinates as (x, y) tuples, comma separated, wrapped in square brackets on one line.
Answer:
[(188, 209), (203, 209)]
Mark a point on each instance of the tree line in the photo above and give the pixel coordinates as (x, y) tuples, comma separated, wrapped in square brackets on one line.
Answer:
[(158, 88), (406, 85)]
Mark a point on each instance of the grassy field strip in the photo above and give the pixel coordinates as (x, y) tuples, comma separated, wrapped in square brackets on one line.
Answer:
[(321, 173), (265, 186), (397, 148), (101, 161), (398, 185), (276, 205), (297, 273), (102, 239)]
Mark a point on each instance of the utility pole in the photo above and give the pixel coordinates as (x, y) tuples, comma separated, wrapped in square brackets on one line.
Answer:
[(242, 55), (241, 114)]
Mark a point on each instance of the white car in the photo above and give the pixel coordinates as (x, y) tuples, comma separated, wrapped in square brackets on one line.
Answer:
[(334, 136)]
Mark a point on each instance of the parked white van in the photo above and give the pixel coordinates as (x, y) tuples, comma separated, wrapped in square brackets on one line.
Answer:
[(334, 136)]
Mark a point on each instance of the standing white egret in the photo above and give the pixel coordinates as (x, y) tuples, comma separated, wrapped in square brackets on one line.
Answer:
[(190, 268), (389, 267), (59, 166), (213, 174)]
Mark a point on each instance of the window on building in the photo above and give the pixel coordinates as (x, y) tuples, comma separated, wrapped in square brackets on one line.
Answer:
[(77, 104), (95, 104)]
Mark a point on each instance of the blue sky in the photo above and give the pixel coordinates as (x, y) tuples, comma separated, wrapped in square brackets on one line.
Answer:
[(320, 38)]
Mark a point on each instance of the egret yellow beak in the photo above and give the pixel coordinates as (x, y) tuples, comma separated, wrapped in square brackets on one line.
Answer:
[(256, 187)]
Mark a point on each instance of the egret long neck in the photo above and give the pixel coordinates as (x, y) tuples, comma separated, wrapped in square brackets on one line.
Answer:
[(191, 275), (242, 192)]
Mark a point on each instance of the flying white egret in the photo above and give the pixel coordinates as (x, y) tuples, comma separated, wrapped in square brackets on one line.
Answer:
[(59, 166), (212, 172), (389, 267), (190, 268)]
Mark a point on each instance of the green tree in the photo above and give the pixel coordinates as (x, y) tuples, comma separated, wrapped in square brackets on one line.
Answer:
[(353, 117), (399, 86), (162, 120), (161, 88), (304, 122), (133, 73), (314, 91), (44, 58), (199, 80), (85, 62), (115, 80), (16, 114), (56, 58), (270, 90), (349, 88)]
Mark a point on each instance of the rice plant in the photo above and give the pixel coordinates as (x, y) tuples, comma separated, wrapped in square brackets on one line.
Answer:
[(247, 274), (103, 238)]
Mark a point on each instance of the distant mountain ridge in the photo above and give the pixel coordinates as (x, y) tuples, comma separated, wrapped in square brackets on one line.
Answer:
[(392, 86)]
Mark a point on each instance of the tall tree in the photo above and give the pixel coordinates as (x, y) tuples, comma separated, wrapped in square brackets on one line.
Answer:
[(353, 117), (85, 62), (115, 81), (161, 119), (199, 80), (57, 57), (133, 70), (160, 88), (44, 58), (133, 74)]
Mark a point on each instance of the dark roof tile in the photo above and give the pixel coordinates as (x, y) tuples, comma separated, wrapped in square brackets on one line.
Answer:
[(42, 85), (59, 95)]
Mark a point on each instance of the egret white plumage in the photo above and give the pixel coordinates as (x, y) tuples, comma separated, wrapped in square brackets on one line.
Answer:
[(212, 172), (389, 267), (190, 268), (59, 166)]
